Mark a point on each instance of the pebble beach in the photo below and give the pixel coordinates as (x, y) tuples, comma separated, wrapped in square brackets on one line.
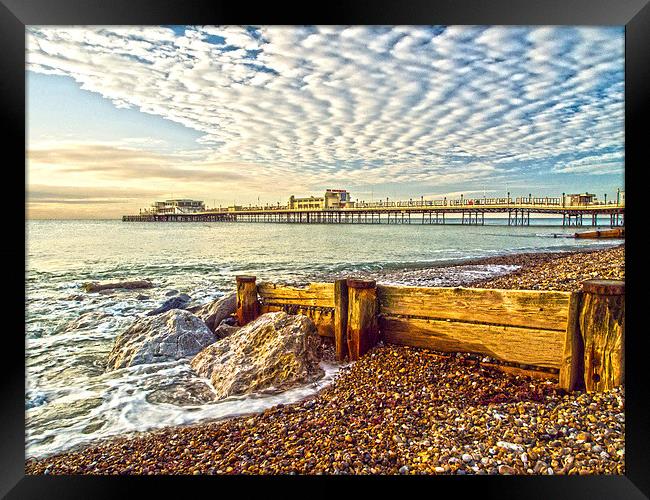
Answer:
[(402, 410)]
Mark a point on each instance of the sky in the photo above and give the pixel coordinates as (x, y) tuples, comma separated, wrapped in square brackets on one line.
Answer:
[(118, 117)]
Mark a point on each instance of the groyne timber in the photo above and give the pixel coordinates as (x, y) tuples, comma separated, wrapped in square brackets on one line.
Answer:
[(469, 212)]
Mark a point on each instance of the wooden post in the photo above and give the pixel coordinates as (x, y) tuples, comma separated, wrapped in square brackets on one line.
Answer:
[(341, 318), (363, 325), (572, 365), (247, 305), (602, 328)]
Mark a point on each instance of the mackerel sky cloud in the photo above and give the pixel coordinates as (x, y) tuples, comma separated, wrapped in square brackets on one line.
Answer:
[(272, 111)]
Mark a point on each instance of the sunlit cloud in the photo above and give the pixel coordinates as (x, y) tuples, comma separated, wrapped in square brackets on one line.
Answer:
[(283, 109)]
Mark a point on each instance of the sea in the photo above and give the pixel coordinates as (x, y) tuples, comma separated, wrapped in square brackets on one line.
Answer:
[(70, 398)]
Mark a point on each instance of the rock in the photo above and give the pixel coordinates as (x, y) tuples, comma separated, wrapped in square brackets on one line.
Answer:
[(277, 351), (182, 392), (179, 302), (224, 330), (404, 469), (230, 321), (171, 293), (83, 321), (142, 297), (539, 467), (215, 312), (170, 336), (467, 458), (506, 469), (126, 285), (75, 297), (510, 446)]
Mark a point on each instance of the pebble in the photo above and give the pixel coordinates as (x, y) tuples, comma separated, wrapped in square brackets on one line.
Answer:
[(506, 469)]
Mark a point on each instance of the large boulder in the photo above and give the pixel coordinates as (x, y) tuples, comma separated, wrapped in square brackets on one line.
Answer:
[(179, 302), (170, 336), (215, 312), (277, 351)]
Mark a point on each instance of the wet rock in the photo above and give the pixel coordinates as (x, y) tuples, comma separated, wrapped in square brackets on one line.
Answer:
[(230, 321), (224, 330), (75, 297), (93, 427), (277, 351), (179, 302), (185, 392), (61, 412), (170, 336), (217, 311), (171, 293), (117, 285), (84, 321)]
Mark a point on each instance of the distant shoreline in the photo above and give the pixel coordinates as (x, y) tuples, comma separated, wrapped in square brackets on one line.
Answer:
[(525, 261)]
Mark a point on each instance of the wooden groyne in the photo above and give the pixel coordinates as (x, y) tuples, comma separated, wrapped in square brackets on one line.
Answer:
[(576, 337), (603, 233)]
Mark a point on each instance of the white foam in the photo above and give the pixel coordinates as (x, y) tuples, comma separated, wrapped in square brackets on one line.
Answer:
[(125, 409)]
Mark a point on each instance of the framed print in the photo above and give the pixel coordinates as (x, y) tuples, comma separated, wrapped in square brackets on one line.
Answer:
[(387, 241)]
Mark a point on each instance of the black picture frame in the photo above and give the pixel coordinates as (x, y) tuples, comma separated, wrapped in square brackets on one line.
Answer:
[(16, 14)]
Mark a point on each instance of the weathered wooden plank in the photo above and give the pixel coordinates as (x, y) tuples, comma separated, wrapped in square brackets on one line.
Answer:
[(324, 320), (315, 294), (542, 310), (514, 370), (247, 303), (363, 327), (572, 363), (602, 328), (341, 319), (524, 346)]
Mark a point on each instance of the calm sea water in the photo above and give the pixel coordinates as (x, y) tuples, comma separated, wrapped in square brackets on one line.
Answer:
[(71, 401)]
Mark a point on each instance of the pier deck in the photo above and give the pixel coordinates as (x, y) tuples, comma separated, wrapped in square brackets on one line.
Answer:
[(519, 214)]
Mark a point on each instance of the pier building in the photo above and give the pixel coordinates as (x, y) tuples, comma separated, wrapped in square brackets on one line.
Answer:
[(333, 198), (179, 206), (579, 199)]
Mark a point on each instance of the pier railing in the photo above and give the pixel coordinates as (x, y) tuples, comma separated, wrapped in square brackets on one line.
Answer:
[(524, 201), (575, 337)]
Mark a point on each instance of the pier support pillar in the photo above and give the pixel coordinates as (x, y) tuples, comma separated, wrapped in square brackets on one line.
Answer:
[(363, 325), (341, 319), (248, 307)]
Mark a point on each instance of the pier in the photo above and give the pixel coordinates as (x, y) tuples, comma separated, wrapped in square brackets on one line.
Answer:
[(461, 211)]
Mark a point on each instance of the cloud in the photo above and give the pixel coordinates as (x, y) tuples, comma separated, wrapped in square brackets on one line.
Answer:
[(359, 105), (607, 163), (44, 193)]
